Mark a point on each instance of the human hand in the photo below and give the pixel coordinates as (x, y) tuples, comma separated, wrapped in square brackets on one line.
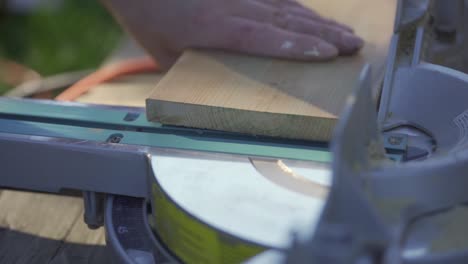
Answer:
[(275, 28)]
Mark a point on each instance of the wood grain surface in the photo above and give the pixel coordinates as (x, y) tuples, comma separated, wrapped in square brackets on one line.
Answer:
[(263, 96)]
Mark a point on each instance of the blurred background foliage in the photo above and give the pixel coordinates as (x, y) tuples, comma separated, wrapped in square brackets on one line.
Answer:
[(67, 36)]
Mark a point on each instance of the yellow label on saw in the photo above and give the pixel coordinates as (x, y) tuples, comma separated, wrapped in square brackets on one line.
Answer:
[(191, 240)]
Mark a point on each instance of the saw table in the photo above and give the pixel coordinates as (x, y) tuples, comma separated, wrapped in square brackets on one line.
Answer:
[(390, 188), (48, 228)]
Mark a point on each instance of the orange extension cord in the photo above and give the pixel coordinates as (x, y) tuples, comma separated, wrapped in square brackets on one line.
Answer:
[(106, 74)]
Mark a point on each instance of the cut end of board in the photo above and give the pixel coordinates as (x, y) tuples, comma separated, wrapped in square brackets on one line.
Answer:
[(254, 123)]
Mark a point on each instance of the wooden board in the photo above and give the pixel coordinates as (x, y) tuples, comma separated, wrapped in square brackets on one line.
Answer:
[(44, 228), (262, 96), (127, 90)]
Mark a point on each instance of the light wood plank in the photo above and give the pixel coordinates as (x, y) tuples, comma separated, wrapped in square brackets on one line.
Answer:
[(261, 96), (83, 245), (44, 228), (32, 226), (125, 91)]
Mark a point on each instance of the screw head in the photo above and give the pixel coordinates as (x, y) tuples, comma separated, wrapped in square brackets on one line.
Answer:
[(115, 138), (393, 140)]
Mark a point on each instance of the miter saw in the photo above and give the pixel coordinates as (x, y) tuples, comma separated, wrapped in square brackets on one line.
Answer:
[(389, 189)]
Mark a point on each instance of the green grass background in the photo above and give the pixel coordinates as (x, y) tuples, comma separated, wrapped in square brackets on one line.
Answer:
[(78, 35)]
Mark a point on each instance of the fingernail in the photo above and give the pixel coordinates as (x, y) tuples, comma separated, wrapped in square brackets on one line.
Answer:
[(322, 51), (352, 41), (349, 29), (328, 50)]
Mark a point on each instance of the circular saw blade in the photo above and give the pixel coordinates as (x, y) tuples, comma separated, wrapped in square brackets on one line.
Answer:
[(217, 208)]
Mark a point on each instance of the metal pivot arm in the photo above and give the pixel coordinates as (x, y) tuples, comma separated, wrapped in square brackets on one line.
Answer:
[(350, 230), (373, 202), (423, 103), (425, 73)]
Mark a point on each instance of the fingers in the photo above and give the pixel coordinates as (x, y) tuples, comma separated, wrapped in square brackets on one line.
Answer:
[(279, 3), (294, 8), (264, 11), (310, 14), (346, 42), (243, 35)]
